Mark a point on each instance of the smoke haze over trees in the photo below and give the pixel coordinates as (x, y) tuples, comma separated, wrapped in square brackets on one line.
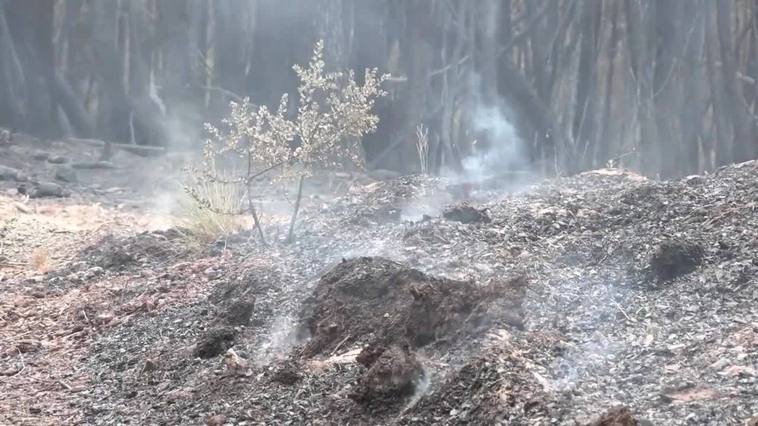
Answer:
[(665, 87)]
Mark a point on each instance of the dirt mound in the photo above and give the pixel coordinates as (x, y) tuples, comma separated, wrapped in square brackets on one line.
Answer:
[(377, 300)]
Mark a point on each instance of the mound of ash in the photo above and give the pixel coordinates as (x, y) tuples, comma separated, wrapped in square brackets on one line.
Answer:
[(114, 252), (378, 301)]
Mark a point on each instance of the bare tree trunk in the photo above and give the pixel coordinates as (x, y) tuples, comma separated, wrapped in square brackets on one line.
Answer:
[(583, 126), (12, 81), (639, 28), (743, 146)]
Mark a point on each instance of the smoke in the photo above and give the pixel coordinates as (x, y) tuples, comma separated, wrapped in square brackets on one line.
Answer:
[(422, 387), (503, 149), (498, 152), (278, 341), (596, 354)]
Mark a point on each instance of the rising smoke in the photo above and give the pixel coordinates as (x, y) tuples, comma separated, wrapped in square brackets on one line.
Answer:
[(503, 149)]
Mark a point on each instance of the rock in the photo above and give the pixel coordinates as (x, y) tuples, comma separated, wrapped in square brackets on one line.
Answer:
[(93, 165), (150, 365), (40, 156), (11, 174), (214, 342), (236, 364), (57, 159), (92, 272), (617, 416), (217, 420), (675, 258), (48, 189), (65, 174), (694, 180), (465, 213)]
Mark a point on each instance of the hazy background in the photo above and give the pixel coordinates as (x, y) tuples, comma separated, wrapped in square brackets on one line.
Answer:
[(665, 87)]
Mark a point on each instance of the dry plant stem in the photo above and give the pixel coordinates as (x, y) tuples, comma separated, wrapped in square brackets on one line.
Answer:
[(290, 234), (253, 212), (422, 146)]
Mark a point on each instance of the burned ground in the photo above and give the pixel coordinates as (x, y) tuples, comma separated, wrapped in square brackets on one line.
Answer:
[(580, 295), (379, 302)]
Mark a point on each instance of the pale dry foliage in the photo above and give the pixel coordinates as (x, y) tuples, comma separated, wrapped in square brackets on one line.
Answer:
[(334, 111), (40, 260), (206, 224)]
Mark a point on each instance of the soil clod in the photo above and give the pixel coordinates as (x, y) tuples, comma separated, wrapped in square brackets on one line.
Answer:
[(616, 416), (674, 258), (466, 213), (392, 377), (287, 375)]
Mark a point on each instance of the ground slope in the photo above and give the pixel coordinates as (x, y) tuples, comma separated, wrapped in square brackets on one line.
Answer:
[(581, 295)]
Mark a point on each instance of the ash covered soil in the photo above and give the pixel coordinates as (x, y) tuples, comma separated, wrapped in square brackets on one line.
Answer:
[(599, 299)]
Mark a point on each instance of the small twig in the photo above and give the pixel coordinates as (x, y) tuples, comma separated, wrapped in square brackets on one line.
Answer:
[(64, 384), (23, 364), (623, 311), (339, 345)]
